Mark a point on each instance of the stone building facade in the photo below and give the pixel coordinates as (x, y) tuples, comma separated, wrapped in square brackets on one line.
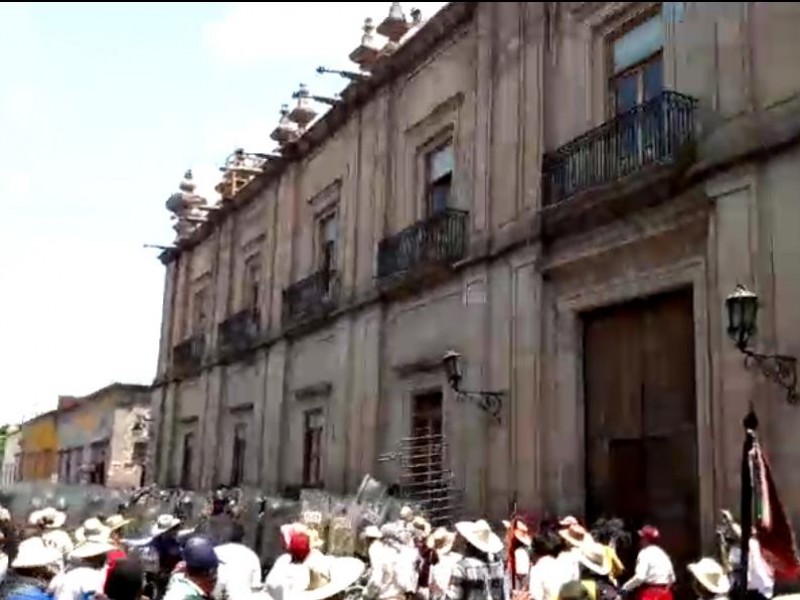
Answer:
[(38, 448), (103, 437), (12, 455), (564, 193)]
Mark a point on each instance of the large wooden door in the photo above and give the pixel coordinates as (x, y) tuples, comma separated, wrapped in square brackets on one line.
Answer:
[(640, 409)]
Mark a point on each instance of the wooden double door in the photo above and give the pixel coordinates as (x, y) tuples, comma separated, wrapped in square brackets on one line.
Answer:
[(641, 420)]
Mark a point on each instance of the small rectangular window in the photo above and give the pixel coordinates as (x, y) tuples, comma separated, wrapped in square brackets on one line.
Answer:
[(439, 166), (327, 235), (239, 453), (313, 434), (252, 282), (199, 311), (187, 459)]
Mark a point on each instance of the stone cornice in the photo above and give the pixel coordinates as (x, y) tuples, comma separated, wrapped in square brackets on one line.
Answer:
[(416, 50)]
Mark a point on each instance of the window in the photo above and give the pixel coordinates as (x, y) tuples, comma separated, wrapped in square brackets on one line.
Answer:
[(199, 311), (252, 282), (327, 235), (313, 433), (187, 458), (18, 467), (439, 165), (637, 64), (97, 463), (239, 453)]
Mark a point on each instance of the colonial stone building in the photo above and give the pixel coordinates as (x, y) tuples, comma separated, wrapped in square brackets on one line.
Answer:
[(564, 193), (103, 437)]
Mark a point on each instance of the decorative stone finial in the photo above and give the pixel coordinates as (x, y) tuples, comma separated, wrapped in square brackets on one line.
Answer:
[(367, 53), (188, 208), (394, 26), (304, 112), (287, 130)]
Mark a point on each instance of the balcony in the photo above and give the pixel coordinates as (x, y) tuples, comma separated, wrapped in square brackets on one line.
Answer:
[(650, 137), (439, 241), (187, 357), (310, 298), (238, 332)]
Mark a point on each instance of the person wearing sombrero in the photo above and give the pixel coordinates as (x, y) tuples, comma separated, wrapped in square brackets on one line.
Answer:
[(654, 575), (595, 568), (421, 531), (165, 542), (88, 575), (518, 559), (441, 541), (709, 580), (575, 536), (115, 525), (393, 562), (49, 523), (547, 574), (479, 575), (296, 576), (31, 571)]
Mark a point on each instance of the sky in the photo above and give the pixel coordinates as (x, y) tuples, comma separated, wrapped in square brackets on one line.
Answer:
[(102, 108)]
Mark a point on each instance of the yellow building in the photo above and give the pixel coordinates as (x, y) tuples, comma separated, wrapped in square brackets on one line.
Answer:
[(38, 447)]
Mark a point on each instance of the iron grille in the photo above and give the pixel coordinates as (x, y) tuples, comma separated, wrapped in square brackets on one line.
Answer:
[(440, 239), (651, 133), (312, 297), (425, 479), (239, 331), (187, 356)]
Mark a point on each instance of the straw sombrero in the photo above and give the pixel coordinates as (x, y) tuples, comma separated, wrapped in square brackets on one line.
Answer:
[(594, 557), (441, 540), (521, 531), (93, 540), (49, 518), (480, 535), (33, 553), (710, 575), (575, 535), (116, 522), (340, 574), (164, 523)]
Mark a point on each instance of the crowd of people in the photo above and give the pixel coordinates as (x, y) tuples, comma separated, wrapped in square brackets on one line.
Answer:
[(402, 559)]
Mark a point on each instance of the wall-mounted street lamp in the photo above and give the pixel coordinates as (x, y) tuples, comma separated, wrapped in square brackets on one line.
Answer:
[(742, 309), (489, 402)]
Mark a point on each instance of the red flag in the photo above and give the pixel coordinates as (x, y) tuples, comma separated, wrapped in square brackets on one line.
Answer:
[(773, 530)]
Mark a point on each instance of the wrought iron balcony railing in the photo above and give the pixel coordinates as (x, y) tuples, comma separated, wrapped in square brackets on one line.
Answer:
[(187, 356), (440, 239), (310, 298), (239, 331), (652, 133)]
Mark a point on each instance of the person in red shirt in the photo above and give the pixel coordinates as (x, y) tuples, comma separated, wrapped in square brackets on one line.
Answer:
[(115, 524)]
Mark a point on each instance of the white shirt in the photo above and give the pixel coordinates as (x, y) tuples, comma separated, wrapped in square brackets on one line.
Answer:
[(441, 573), (760, 576), (653, 567), (548, 574), (393, 570), (73, 584), (3, 566), (239, 573), (569, 564)]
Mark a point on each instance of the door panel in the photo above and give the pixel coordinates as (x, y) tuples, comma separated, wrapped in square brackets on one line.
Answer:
[(640, 410)]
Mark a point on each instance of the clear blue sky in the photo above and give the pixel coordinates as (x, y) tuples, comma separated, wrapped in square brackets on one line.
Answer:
[(102, 107)]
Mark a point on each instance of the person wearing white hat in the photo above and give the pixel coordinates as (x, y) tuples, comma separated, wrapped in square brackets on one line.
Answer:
[(393, 562), (441, 541), (480, 574), (596, 572), (165, 542), (710, 582), (31, 571), (89, 555), (240, 568), (50, 522)]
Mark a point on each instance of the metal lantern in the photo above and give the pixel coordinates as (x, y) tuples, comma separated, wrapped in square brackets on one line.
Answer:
[(742, 309), (452, 368)]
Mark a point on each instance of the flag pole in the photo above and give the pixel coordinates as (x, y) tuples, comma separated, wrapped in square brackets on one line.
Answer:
[(750, 424)]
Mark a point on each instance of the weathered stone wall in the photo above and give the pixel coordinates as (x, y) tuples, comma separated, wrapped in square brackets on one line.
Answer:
[(512, 81)]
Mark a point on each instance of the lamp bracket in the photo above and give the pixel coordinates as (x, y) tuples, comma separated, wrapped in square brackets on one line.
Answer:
[(489, 402), (779, 368)]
